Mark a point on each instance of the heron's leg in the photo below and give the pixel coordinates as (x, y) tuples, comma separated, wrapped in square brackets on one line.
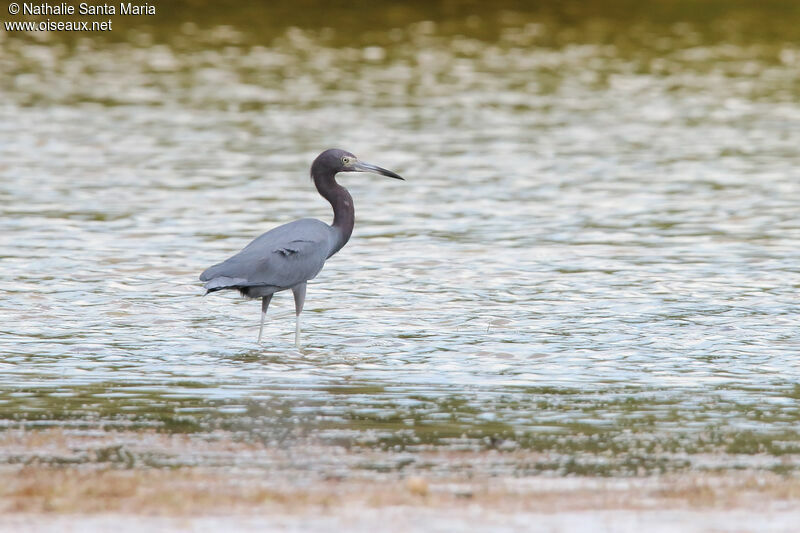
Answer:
[(264, 304), (299, 291)]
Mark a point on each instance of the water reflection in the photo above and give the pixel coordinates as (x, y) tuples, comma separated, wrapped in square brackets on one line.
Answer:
[(596, 249)]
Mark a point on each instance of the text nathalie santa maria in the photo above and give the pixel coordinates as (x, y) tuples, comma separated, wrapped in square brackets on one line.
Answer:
[(124, 8)]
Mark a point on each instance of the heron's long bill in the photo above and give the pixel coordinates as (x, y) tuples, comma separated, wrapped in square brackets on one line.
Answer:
[(360, 166)]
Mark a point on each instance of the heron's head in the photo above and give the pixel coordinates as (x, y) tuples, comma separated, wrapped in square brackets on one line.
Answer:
[(334, 160)]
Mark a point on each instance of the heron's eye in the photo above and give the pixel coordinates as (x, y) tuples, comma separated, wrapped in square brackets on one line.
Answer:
[(346, 160)]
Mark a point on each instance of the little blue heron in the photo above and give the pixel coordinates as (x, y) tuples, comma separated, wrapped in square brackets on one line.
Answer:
[(288, 256)]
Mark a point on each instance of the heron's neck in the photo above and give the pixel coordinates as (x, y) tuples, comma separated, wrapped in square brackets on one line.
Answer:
[(343, 212)]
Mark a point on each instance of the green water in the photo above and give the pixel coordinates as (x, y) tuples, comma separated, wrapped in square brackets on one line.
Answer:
[(595, 254)]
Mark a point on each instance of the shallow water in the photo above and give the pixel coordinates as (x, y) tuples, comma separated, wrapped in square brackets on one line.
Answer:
[(595, 254)]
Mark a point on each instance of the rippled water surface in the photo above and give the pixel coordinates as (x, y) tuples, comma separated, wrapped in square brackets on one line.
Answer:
[(596, 253)]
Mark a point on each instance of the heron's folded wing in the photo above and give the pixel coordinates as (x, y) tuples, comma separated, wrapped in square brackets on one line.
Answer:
[(282, 257)]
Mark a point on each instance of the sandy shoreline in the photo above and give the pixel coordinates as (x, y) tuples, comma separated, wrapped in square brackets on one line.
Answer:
[(192, 491), (57, 480), (198, 499), (405, 519)]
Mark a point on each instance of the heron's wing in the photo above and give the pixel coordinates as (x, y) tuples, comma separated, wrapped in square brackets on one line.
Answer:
[(281, 258)]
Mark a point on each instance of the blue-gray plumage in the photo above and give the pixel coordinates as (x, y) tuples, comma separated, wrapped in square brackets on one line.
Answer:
[(288, 256)]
